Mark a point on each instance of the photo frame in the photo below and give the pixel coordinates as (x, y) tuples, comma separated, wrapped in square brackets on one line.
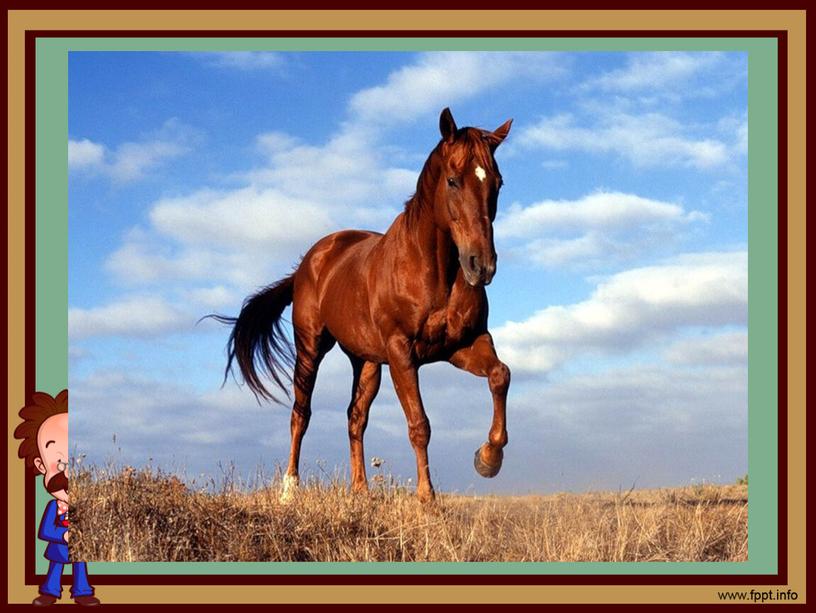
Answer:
[(37, 289)]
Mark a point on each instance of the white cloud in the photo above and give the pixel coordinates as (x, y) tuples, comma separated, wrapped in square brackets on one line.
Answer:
[(734, 128), (144, 259), (140, 316), (349, 168), (249, 216), (246, 236), (171, 423), (658, 72), (725, 348), (239, 237), (598, 229), (742, 138), (214, 297), (84, 154), (554, 164), (302, 191), (647, 424), (565, 433), (131, 161), (273, 143), (246, 61), (582, 251), (437, 80), (646, 140), (243, 235), (632, 309), (639, 112), (622, 403), (597, 210)]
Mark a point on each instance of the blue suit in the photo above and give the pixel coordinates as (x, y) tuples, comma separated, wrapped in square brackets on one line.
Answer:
[(53, 532)]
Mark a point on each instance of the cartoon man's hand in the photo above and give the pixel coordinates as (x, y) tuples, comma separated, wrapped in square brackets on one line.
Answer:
[(67, 536)]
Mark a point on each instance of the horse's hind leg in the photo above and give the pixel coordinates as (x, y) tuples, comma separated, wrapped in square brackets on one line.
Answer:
[(310, 351), (480, 359), (366, 384)]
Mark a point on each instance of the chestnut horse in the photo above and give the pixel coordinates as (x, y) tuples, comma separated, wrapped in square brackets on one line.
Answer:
[(411, 296)]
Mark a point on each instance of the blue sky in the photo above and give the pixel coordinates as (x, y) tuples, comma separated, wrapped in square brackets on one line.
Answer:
[(620, 301)]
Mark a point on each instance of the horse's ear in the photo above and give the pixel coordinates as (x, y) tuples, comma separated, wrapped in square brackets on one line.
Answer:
[(499, 134), (447, 126)]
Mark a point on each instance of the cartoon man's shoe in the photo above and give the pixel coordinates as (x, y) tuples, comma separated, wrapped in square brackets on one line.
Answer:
[(43, 600), (87, 601)]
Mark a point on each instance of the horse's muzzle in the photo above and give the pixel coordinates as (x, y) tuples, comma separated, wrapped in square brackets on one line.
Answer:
[(476, 271)]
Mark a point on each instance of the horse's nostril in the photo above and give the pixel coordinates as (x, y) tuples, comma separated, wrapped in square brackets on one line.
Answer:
[(473, 262)]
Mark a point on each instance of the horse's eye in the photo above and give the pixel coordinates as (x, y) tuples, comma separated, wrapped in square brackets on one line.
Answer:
[(452, 182)]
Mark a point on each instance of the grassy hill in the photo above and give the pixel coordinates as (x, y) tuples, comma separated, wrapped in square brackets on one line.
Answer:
[(147, 516)]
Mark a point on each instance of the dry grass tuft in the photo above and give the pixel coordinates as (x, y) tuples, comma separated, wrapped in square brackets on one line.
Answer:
[(144, 515)]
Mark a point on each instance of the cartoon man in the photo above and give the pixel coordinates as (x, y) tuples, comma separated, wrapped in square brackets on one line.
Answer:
[(45, 448)]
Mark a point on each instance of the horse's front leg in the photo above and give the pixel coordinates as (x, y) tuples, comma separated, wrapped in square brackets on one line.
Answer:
[(406, 384), (481, 360)]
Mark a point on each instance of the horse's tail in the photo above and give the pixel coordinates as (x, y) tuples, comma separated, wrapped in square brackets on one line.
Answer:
[(258, 342)]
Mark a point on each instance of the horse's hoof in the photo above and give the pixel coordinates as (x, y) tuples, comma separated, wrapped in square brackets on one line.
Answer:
[(483, 468), (290, 486)]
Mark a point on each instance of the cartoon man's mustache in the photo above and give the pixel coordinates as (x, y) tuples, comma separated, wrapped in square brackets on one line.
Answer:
[(56, 483)]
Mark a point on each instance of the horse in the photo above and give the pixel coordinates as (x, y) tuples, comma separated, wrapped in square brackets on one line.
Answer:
[(409, 297)]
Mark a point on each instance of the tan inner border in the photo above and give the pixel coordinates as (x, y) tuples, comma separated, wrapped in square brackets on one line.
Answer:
[(792, 21)]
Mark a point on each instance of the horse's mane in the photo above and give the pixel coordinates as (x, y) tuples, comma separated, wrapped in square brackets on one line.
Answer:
[(468, 144)]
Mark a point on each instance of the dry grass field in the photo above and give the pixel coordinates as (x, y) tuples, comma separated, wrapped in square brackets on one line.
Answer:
[(143, 515)]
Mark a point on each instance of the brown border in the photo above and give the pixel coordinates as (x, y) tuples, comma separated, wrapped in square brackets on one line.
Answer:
[(4, 226), (30, 273), (779, 34), (31, 578), (418, 5)]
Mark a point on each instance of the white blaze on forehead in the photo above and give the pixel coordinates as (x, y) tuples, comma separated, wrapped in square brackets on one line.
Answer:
[(480, 172)]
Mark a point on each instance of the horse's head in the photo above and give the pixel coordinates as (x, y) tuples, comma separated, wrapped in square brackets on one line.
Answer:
[(466, 194)]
